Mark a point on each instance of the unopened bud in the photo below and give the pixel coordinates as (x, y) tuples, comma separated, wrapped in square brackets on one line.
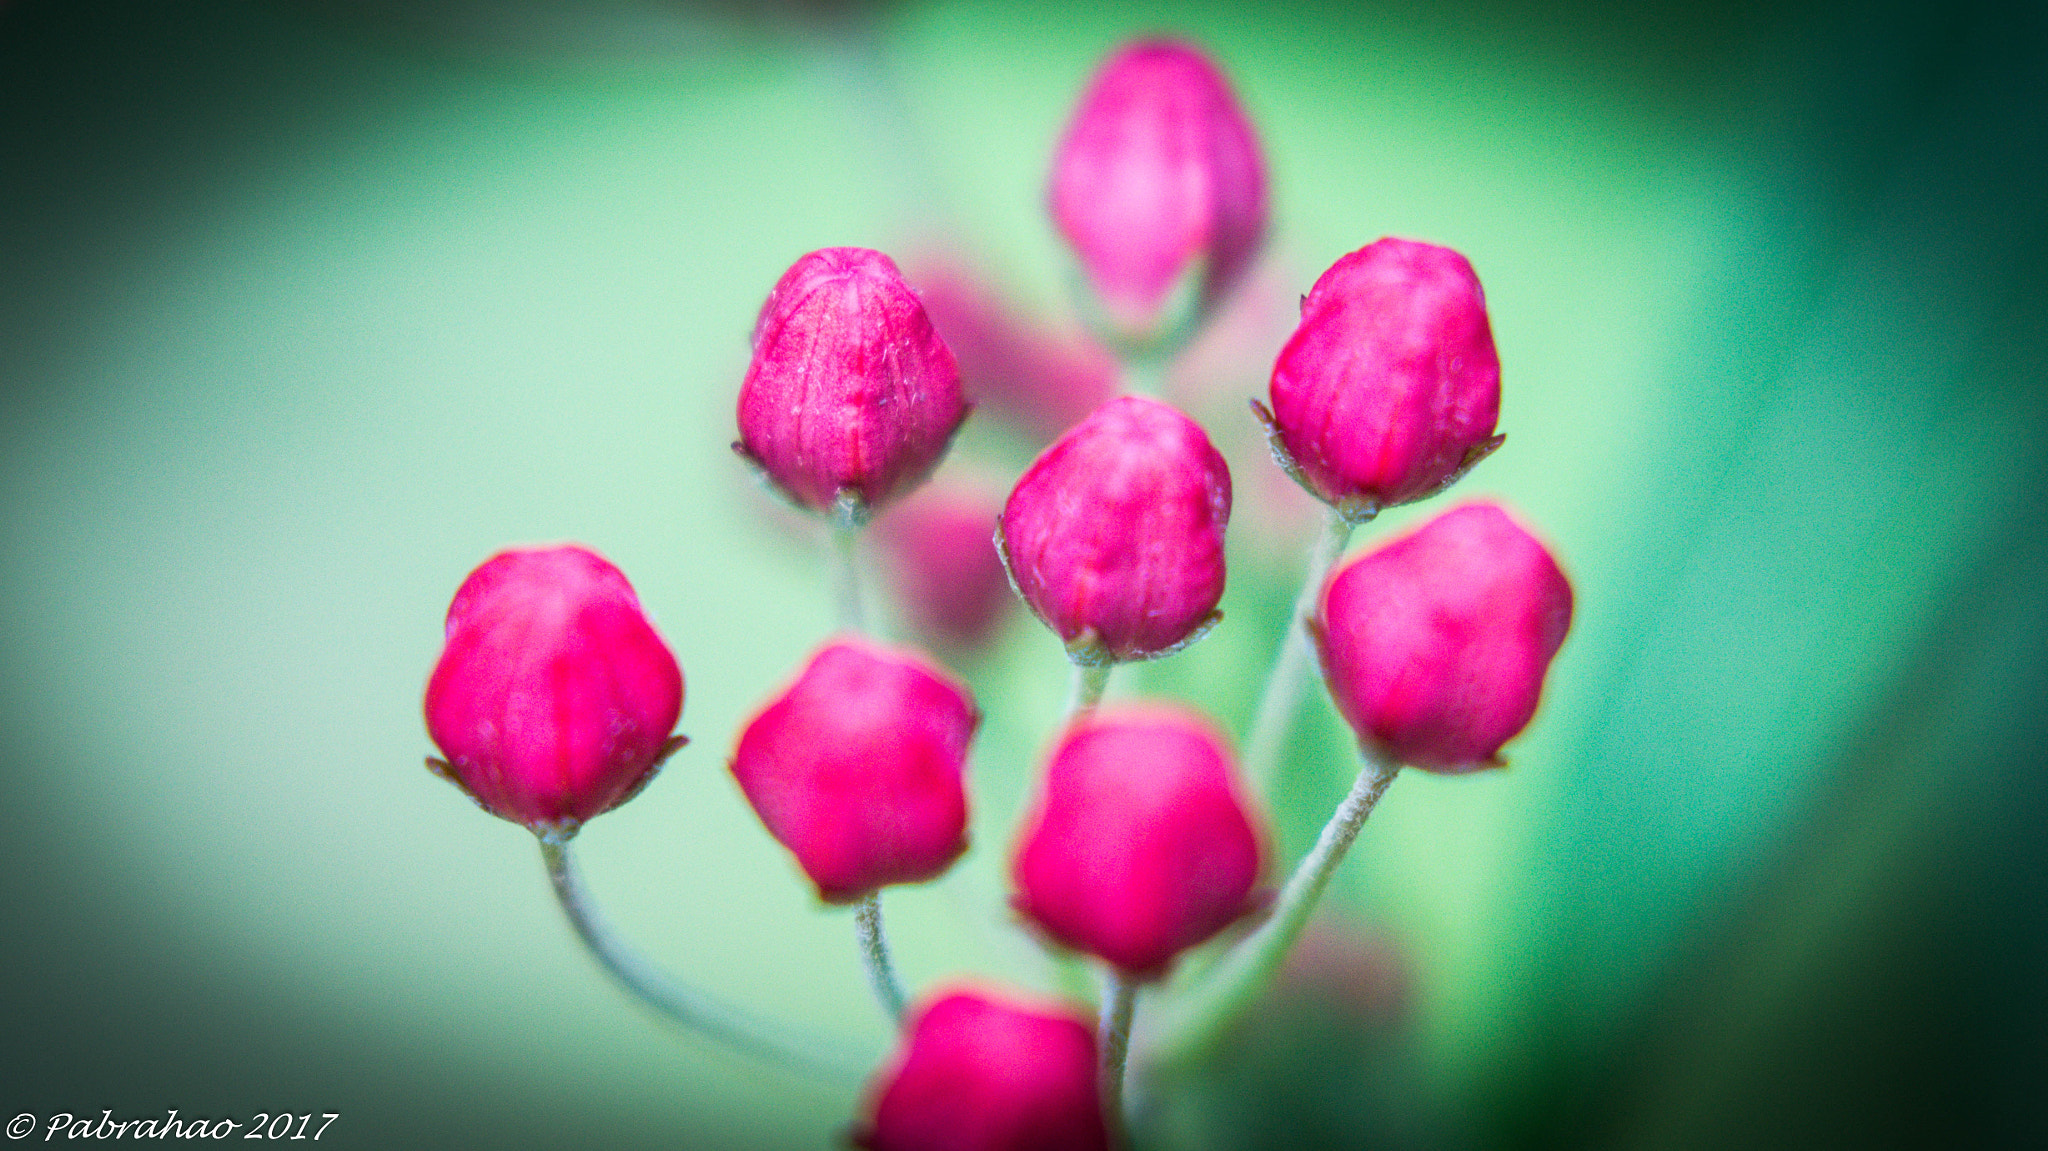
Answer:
[(1390, 388), (1435, 645), (1114, 535), (852, 397), (947, 575), (1141, 843), (856, 768), (979, 1072), (1159, 186), (554, 698)]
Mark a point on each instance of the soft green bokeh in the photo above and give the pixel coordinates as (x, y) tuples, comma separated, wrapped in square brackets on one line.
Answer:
[(307, 310)]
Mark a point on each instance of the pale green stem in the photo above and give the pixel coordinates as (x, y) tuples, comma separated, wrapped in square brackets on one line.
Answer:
[(1089, 682), (1240, 975), (1144, 374), (874, 954), (847, 520), (679, 1001), (1282, 696), (1113, 1041)]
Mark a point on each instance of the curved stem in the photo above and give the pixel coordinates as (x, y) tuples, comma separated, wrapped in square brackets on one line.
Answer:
[(1239, 976), (1282, 697), (874, 954), (679, 1001), (1113, 1041)]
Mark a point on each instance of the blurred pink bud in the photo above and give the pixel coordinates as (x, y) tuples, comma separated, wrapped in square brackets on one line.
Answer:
[(1141, 843), (1436, 644), (1389, 389), (1042, 381), (856, 768), (1114, 535), (851, 392), (554, 698), (981, 1073), (935, 544), (1159, 179)]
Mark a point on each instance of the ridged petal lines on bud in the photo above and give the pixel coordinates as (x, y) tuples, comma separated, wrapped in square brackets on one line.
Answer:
[(1435, 645), (1389, 389), (857, 768), (1114, 536), (979, 1072), (554, 698), (851, 395), (1141, 843), (1158, 178)]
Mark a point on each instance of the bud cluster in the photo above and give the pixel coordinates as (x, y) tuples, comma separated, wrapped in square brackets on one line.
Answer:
[(555, 700)]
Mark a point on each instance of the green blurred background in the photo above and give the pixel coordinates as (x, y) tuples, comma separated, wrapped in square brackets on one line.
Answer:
[(307, 308)]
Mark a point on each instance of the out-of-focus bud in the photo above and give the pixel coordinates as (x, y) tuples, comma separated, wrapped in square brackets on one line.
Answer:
[(856, 768), (1159, 186), (1141, 843), (1041, 380), (1389, 389), (554, 698), (852, 397), (935, 546), (982, 1073), (1435, 645), (1114, 535)]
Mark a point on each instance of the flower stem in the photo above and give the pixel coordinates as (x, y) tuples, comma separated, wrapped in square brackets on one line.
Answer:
[(1113, 1040), (1282, 697), (1089, 682), (874, 954), (847, 519), (1237, 978), (679, 1001)]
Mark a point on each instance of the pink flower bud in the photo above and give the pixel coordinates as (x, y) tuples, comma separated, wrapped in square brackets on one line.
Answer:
[(948, 576), (856, 768), (851, 393), (1159, 179), (1435, 645), (1114, 535), (554, 698), (1389, 389), (1141, 844), (1041, 380), (982, 1073)]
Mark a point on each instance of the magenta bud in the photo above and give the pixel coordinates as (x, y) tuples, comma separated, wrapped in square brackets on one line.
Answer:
[(856, 768), (1435, 645), (851, 397), (1389, 389), (981, 1073), (554, 698), (1141, 843), (1158, 181), (1114, 535), (946, 574)]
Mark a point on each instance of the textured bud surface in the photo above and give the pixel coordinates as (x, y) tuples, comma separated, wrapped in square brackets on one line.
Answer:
[(946, 572), (980, 1073), (1390, 387), (1140, 844), (554, 698), (1114, 535), (850, 390), (1435, 645), (856, 768), (1159, 175)]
